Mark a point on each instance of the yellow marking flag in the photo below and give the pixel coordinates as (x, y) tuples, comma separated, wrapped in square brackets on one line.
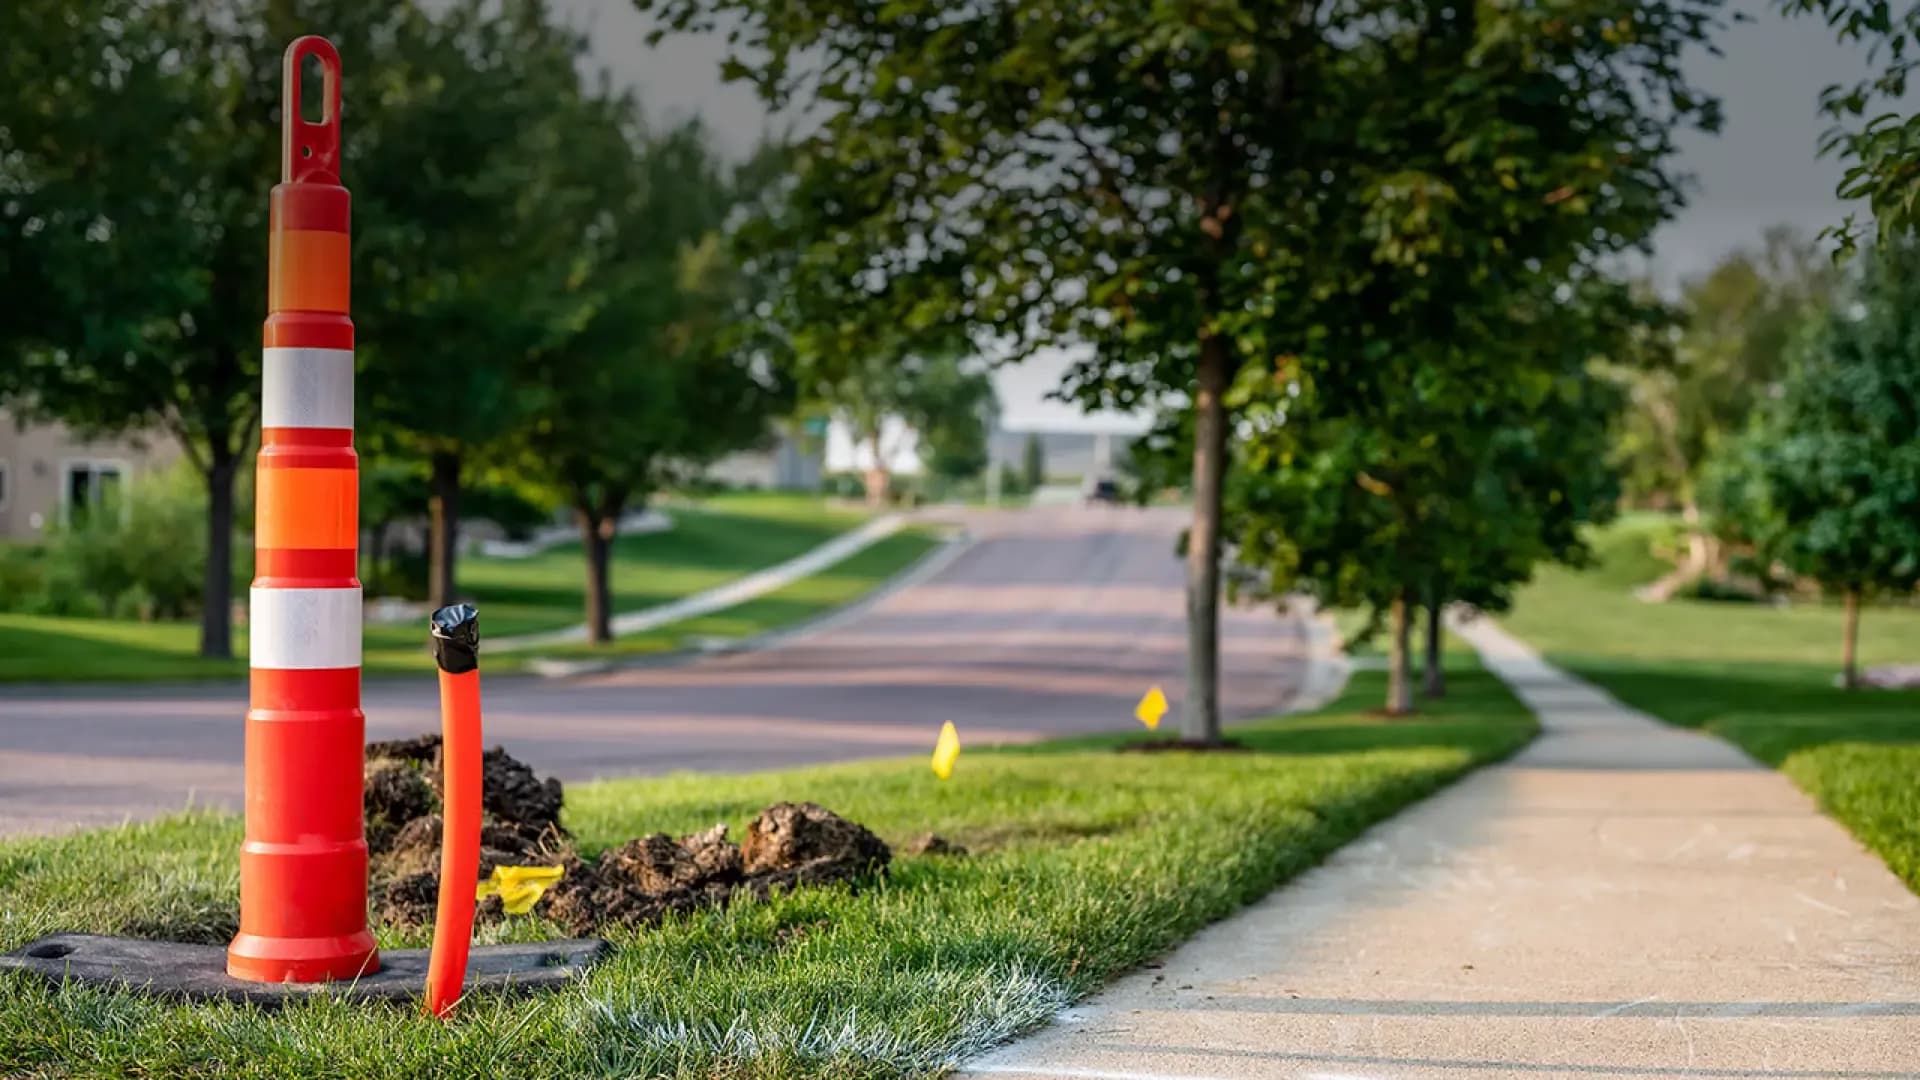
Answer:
[(1151, 708), (518, 886), (946, 751)]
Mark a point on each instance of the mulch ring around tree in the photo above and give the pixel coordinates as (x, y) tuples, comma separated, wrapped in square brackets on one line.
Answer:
[(788, 845), (1198, 746)]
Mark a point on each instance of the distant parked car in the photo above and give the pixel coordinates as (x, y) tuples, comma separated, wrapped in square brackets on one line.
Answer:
[(1099, 490)]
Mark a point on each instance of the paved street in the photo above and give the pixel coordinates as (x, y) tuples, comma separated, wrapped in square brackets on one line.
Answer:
[(1051, 622)]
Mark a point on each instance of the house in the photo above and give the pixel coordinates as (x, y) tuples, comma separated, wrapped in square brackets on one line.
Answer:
[(46, 468), (789, 461)]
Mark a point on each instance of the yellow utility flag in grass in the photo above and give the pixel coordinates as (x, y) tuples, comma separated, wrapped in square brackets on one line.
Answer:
[(946, 751), (519, 886), (1151, 708)]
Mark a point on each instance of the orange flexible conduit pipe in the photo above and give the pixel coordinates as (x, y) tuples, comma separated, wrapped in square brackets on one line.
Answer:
[(456, 648)]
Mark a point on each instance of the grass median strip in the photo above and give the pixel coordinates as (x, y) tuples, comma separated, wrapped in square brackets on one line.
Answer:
[(796, 604), (1757, 675), (1085, 863), (711, 544)]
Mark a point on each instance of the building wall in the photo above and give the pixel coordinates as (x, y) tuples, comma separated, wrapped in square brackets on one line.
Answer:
[(37, 461), (900, 444), (784, 466), (1066, 454)]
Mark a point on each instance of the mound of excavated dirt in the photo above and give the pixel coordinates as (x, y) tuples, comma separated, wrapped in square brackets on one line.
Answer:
[(787, 846)]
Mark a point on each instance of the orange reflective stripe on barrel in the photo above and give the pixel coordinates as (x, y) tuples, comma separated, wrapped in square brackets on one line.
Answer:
[(307, 271), (303, 864)]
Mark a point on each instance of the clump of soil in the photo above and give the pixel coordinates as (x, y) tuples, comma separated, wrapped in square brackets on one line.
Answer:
[(788, 836), (787, 845)]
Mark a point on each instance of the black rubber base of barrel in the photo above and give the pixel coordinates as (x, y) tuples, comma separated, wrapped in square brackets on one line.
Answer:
[(199, 972)]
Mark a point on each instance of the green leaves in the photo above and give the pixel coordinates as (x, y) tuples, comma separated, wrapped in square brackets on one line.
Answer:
[(1828, 480), (1882, 151), (644, 379)]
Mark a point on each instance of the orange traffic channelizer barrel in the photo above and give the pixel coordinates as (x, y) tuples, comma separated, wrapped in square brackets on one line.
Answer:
[(303, 865)]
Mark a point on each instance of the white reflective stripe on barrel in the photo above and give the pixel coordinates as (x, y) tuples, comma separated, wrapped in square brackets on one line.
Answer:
[(303, 629), (307, 388)]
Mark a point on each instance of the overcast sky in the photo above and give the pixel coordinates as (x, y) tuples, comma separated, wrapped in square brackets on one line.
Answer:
[(1762, 169)]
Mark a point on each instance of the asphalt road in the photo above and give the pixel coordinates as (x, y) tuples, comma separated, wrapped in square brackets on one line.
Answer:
[(1049, 622)]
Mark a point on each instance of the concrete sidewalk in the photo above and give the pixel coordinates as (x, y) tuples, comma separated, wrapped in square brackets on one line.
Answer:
[(1622, 899)]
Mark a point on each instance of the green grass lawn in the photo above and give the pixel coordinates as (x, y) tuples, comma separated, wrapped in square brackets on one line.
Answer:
[(1085, 863), (1758, 675), (712, 543)]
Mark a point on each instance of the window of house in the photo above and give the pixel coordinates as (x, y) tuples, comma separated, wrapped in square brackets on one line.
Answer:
[(90, 484)]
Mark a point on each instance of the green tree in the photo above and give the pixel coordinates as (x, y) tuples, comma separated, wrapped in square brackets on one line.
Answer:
[(1828, 481), (138, 145), (648, 383), (1873, 129), (133, 239), (1736, 323), (1451, 490), (467, 194), (955, 409), (922, 385), (1193, 188)]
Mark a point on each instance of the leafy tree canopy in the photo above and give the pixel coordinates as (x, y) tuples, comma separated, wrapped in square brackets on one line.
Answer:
[(1828, 481), (1733, 328), (1191, 188), (1871, 131), (646, 383)]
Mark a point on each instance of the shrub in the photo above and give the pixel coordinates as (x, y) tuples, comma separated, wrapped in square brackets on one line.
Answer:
[(22, 575), (141, 556)]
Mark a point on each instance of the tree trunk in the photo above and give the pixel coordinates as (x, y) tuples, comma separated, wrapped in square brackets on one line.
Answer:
[(876, 478), (1850, 637), (1200, 713), (443, 542), (1399, 681), (876, 481), (216, 593), (596, 535), (1436, 676)]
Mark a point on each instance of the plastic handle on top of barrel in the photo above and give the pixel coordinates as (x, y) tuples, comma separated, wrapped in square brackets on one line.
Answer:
[(310, 153)]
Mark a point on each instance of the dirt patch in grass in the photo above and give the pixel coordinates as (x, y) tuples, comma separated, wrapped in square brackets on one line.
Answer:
[(936, 845), (787, 845)]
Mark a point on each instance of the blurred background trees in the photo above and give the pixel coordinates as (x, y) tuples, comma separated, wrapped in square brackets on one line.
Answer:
[(139, 141), (1871, 132), (512, 220), (1825, 481), (1205, 190), (1368, 266), (1734, 327)]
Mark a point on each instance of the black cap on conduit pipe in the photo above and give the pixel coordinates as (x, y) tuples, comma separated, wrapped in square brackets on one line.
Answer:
[(456, 639)]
